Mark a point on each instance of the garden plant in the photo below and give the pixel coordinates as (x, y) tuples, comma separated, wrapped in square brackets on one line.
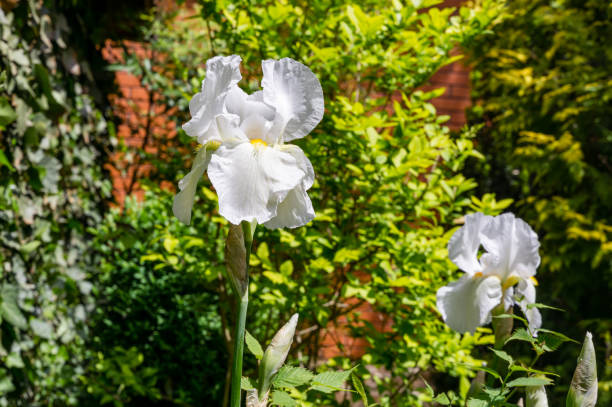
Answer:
[(311, 232)]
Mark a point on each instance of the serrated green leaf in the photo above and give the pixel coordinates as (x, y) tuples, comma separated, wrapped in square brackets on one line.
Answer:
[(477, 403), (359, 388), (292, 376), (280, 398), (503, 355), (245, 383), (518, 368), (521, 334), (253, 345), (328, 382), (529, 381)]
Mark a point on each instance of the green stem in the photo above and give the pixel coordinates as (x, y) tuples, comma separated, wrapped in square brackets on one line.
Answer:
[(236, 393), (238, 350)]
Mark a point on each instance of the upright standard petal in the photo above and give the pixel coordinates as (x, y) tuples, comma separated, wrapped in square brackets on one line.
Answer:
[(296, 94), (463, 245), (467, 303), (251, 180), (183, 201), (512, 247), (222, 75), (526, 293)]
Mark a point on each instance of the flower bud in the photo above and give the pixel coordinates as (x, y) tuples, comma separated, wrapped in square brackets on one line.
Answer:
[(583, 390), (275, 354), (235, 259), (536, 396)]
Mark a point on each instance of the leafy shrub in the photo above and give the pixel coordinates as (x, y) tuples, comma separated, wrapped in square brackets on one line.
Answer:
[(156, 333), (388, 186), (52, 188), (543, 81)]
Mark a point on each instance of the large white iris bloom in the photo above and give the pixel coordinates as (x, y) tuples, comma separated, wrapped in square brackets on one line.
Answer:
[(257, 177), (504, 273)]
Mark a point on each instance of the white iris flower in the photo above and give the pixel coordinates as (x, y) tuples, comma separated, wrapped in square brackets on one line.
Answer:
[(257, 177), (504, 273)]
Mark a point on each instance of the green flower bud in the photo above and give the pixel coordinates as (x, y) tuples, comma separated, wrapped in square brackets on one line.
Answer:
[(583, 390), (235, 259), (275, 355)]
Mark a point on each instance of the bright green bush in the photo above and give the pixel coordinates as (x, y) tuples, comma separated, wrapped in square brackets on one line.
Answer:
[(542, 79), (388, 186)]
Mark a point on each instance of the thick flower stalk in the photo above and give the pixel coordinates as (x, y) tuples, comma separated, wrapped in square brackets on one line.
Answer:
[(503, 275), (258, 178)]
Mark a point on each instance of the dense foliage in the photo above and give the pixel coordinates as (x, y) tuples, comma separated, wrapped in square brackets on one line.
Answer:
[(52, 190), (543, 84), (388, 187)]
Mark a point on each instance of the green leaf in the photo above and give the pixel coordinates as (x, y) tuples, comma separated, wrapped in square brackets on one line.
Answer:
[(292, 376), (5, 162), (477, 403), (253, 345), (521, 334), (328, 382), (41, 328), (443, 399), (358, 386), (245, 383), (7, 114), (280, 398), (9, 308), (484, 369), (503, 355), (529, 381)]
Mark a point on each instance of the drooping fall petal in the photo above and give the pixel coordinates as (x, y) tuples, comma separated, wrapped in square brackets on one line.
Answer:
[(183, 201), (252, 180), (467, 303)]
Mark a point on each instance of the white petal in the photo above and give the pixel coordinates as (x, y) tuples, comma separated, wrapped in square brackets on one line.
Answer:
[(222, 75), (536, 396), (296, 94), (251, 180), (463, 245), (295, 211), (526, 292), (183, 201), (229, 129), (467, 303), (512, 247), (240, 103)]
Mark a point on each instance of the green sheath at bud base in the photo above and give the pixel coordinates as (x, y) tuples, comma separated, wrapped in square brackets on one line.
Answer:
[(583, 390), (275, 355)]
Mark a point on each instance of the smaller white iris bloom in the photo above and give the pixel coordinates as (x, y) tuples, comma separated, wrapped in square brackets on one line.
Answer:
[(256, 175), (503, 274)]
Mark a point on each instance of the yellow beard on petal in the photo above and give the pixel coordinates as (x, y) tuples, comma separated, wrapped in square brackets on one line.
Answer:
[(258, 142), (510, 282)]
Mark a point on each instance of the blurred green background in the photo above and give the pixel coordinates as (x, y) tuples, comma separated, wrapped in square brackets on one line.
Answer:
[(106, 300)]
